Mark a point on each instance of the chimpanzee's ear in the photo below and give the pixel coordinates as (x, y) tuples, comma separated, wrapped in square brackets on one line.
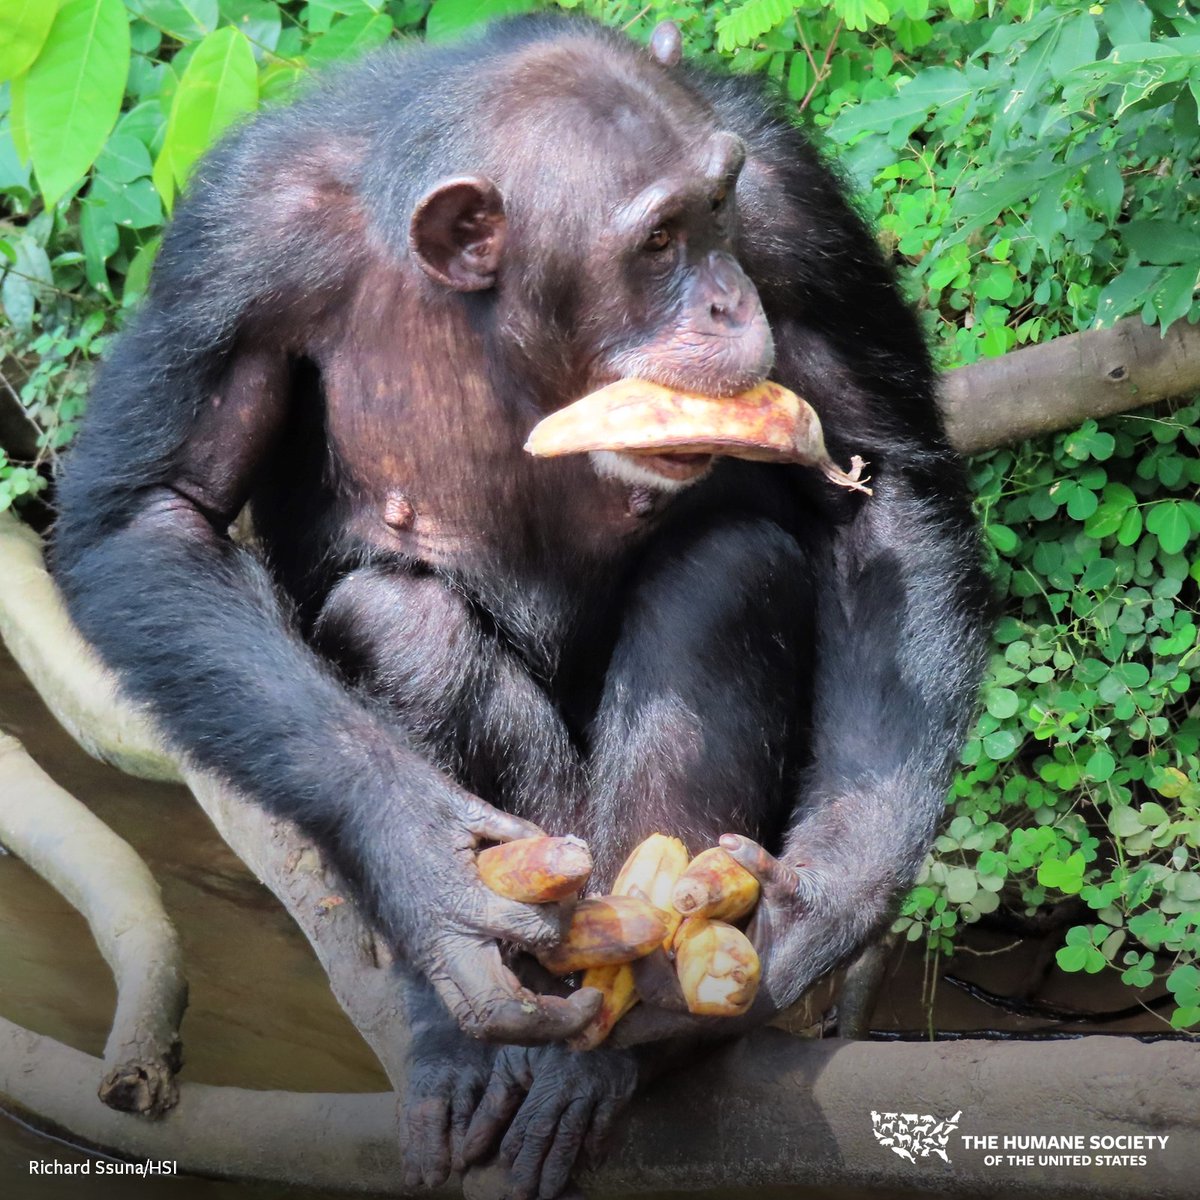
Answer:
[(666, 44), (457, 233)]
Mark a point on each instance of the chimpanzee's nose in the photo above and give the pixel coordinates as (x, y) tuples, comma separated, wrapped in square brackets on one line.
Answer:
[(733, 301)]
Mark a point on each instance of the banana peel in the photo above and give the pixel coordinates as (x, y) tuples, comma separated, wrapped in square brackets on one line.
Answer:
[(767, 423)]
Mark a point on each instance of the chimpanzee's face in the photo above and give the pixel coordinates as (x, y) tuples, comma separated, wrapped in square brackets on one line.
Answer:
[(633, 278), (674, 305)]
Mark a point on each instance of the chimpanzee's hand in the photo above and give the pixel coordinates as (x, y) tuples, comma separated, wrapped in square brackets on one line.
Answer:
[(450, 920), (554, 1103), (782, 930)]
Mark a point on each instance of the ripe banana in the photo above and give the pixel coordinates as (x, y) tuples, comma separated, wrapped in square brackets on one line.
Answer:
[(651, 871), (718, 967), (616, 984), (605, 931), (536, 870), (715, 885)]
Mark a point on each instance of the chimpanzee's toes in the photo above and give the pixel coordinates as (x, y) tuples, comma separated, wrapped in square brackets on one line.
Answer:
[(443, 1092)]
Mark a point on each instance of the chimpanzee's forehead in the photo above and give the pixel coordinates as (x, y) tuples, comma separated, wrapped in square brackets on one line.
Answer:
[(574, 115)]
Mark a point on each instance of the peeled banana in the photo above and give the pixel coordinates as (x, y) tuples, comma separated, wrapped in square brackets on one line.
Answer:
[(616, 985), (651, 871), (659, 899), (536, 870), (715, 885), (718, 967), (606, 931)]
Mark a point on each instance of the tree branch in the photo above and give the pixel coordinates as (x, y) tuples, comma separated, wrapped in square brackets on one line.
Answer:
[(84, 697), (770, 1110), (1058, 384), (81, 694), (105, 879)]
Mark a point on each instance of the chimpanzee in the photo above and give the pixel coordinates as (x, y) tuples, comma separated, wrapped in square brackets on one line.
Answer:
[(363, 305)]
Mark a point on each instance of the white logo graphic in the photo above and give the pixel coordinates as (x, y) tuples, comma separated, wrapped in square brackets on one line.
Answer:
[(913, 1136)]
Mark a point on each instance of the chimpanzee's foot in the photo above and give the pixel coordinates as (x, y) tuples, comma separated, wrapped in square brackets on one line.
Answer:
[(555, 1103), (447, 1074)]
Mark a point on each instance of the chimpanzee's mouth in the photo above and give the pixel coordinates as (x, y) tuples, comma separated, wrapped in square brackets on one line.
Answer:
[(677, 467)]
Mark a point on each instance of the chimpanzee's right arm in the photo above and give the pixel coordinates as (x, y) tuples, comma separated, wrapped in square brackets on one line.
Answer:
[(181, 418)]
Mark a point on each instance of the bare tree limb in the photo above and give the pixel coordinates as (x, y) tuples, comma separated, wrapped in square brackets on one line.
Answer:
[(341, 1142), (107, 881), (1058, 384), (767, 1111), (84, 697), (81, 694)]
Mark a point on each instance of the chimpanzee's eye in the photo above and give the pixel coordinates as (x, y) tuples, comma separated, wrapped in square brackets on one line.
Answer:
[(659, 239), (718, 199)]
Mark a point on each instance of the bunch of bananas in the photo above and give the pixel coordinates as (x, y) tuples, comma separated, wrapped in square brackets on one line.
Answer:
[(659, 899)]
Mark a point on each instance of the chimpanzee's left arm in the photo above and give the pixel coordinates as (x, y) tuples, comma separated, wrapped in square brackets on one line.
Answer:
[(901, 597)]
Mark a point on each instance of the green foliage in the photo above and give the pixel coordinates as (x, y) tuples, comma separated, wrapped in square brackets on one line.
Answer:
[(1030, 163)]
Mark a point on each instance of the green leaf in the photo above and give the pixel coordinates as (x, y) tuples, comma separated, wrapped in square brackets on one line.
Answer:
[(1173, 298), (184, 20), (934, 88), (1168, 520), (1100, 766), (749, 21), (1072, 958), (1002, 537), (1002, 702), (259, 20), (26, 24), (138, 275), (1001, 744), (1161, 243), (350, 37), (101, 241), (961, 885), (131, 205), (1126, 293), (1131, 527), (123, 160), (219, 85), (73, 92), (1126, 21), (1123, 821), (1105, 520), (450, 17)]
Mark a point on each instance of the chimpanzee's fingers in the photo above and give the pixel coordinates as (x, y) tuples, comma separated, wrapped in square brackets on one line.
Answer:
[(463, 1106), (564, 1151), (425, 1157), (778, 880), (488, 1001), (491, 825), (535, 926), (533, 1131), (657, 981), (505, 1091)]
